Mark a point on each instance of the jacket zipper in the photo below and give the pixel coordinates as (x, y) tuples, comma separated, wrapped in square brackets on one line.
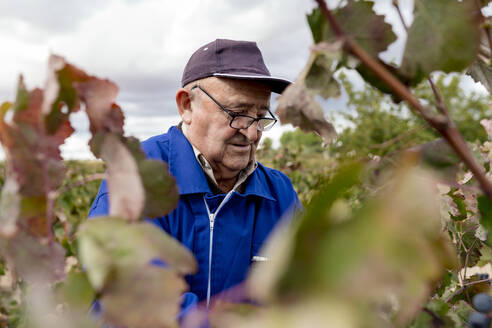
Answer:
[(212, 217)]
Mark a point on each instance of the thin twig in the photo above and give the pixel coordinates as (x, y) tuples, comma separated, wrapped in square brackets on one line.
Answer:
[(440, 123), (463, 287), (468, 251), (440, 103), (466, 265), (396, 139), (78, 183)]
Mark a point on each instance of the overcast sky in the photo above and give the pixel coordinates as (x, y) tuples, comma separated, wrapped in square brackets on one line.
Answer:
[(143, 45)]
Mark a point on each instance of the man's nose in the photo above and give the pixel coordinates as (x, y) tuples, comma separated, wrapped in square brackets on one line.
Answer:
[(252, 132)]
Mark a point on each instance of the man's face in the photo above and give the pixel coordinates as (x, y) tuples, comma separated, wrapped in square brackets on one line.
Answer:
[(228, 150)]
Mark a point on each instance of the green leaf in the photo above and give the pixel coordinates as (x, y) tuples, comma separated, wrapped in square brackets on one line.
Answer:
[(481, 72), (448, 31), (136, 185), (22, 97), (2, 267), (359, 22), (106, 244), (161, 194), (319, 77), (76, 290), (147, 297), (135, 292), (485, 209), (297, 104), (485, 255), (394, 246), (459, 201), (439, 307)]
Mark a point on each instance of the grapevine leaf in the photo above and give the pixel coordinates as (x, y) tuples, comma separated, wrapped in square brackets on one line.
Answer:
[(59, 93), (67, 86), (485, 209), (298, 107), (279, 248), (485, 255), (76, 290), (297, 104), (126, 191), (109, 243), (35, 260), (319, 71), (138, 294), (99, 96), (152, 187), (371, 262), (9, 207), (459, 201), (449, 33), (161, 194), (481, 72), (22, 97), (359, 22), (148, 297), (30, 151)]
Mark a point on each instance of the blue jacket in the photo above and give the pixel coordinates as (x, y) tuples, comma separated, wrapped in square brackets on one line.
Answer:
[(231, 235)]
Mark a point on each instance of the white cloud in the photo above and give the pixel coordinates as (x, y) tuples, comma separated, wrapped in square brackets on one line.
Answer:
[(143, 45)]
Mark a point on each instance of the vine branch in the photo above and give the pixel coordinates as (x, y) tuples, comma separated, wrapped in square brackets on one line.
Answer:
[(78, 183), (440, 123)]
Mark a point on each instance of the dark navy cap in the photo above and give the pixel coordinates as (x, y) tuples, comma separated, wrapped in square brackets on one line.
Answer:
[(231, 59)]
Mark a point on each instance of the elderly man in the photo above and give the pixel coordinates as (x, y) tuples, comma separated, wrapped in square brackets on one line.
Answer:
[(228, 202)]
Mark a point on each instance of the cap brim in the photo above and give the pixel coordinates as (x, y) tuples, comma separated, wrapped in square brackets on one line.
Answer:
[(278, 84)]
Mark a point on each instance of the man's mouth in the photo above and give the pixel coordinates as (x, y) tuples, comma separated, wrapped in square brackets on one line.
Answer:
[(241, 146)]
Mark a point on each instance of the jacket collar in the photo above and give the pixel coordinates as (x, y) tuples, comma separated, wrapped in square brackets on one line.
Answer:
[(190, 177), (184, 166)]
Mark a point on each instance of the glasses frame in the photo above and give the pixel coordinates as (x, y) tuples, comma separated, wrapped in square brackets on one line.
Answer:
[(233, 115)]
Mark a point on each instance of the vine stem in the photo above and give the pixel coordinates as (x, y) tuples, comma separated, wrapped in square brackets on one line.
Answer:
[(463, 287), (78, 183), (441, 123)]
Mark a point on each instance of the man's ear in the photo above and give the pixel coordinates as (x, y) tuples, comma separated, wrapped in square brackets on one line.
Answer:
[(183, 101)]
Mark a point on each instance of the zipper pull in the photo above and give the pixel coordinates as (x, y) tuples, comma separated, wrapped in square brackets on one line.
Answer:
[(212, 220)]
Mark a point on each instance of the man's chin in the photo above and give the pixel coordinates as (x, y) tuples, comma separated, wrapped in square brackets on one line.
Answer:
[(238, 165)]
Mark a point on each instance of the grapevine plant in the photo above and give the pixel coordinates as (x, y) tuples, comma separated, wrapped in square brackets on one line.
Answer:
[(381, 243), (114, 254)]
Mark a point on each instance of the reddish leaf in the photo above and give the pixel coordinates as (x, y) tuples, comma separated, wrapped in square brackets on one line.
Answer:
[(35, 260), (149, 297), (137, 186), (298, 106)]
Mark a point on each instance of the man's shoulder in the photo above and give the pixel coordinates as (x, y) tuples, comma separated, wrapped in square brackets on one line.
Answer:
[(157, 147)]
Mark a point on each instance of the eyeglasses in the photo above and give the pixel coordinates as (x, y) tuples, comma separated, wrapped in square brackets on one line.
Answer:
[(240, 121)]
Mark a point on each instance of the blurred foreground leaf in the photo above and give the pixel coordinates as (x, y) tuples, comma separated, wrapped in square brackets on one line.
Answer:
[(118, 258), (390, 251)]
